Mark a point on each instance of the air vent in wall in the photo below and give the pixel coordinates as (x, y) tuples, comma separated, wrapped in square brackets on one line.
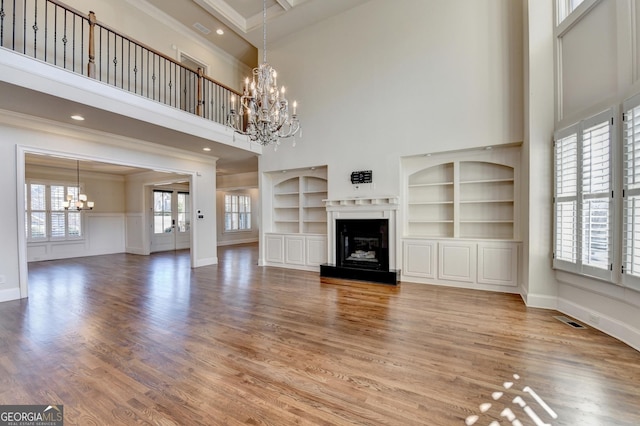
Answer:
[(570, 322), (201, 28)]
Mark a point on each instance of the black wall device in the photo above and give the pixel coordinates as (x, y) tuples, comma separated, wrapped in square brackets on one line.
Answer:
[(362, 176)]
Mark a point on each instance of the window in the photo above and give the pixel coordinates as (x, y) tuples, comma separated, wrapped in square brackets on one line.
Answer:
[(237, 212), (583, 197), (45, 216), (565, 7), (184, 222), (162, 217), (631, 193)]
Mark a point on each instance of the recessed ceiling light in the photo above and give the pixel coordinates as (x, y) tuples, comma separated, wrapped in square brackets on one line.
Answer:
[(206, 149), (220, 31), (77, 117)]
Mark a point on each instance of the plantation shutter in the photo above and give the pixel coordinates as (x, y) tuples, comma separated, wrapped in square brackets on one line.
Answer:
[(566, 199), (583, 197), (631, 191), (596, 196)]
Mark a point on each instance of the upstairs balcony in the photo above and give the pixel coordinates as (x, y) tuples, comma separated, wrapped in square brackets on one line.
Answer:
[(55, 50)]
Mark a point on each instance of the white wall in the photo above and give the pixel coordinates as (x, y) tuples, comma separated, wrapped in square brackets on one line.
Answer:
[(390, 79)]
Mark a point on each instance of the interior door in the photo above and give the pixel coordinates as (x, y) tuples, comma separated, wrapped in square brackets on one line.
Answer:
[(171, 220)]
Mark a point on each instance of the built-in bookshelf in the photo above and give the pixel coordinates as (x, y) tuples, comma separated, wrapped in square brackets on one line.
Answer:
[(430, 201), (461, 199), (460, 218), (298, 206)]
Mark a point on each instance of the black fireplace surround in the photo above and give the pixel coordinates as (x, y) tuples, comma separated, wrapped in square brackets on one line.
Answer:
[(362, 251)]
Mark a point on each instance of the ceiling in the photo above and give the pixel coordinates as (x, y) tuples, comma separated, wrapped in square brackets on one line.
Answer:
[(241, 21)]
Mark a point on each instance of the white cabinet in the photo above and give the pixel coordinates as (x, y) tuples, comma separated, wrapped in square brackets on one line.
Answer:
[(296, 251), (274, 248), (456, 261), (295, 220), (460, 215), (419, 259), (316, 250), (483, 265), (497, 263)]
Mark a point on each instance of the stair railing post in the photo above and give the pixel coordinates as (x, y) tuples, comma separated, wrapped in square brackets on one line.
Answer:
[(91, 66), (200, 100)]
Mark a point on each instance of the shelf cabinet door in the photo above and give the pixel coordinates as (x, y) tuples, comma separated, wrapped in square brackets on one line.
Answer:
[(419, 259), (294, 249), (275, 248), (498, 263), (457, 261), (316, 249)]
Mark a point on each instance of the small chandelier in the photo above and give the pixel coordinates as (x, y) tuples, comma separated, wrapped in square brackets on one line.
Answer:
[(81, 203), (266, 108)]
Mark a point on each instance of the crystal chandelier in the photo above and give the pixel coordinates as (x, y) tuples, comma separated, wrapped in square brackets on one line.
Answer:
[(79, 204), (265, 106)]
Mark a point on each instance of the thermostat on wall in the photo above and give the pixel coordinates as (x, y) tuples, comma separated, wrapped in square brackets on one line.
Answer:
[(362, 176)]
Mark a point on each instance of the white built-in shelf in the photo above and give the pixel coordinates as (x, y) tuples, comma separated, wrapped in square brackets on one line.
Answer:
[(298, 206), (422, 185), (461, 199)]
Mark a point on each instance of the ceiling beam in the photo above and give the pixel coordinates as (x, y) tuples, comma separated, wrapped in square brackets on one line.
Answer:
[(227, 14)]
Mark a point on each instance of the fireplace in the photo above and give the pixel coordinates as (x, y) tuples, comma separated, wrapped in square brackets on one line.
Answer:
[(362, 243), (361, 239)]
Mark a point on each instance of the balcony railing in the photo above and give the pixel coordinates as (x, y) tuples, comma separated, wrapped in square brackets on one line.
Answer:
[(60, 35)]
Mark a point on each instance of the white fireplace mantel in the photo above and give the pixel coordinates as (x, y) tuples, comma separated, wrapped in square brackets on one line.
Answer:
[(362, 208)]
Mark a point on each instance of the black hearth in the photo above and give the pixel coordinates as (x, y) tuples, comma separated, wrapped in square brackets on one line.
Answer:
[(362, 251)]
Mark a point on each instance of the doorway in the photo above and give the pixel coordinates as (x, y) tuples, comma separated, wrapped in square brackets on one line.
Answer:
[(171, 221)]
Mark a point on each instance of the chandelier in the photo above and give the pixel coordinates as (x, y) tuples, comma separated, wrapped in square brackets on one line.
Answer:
[(265, 106), (79, 204)]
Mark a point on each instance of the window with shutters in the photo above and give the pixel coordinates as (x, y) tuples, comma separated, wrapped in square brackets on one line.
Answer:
[(45, 216), (237, 212), (631, 193), (583, 197)]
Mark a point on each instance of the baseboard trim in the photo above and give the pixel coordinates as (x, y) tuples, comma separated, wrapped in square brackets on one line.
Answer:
[(236, 242), (612, 327), (540, 301), (9, 294), (206, 262)]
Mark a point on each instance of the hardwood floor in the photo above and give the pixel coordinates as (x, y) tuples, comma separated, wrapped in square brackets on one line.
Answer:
[(125, 339)]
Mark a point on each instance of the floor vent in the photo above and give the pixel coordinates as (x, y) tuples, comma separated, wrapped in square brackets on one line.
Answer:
[(570, 322)]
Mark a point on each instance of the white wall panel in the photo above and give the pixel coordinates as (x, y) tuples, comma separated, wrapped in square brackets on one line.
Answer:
[(589, 60)]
